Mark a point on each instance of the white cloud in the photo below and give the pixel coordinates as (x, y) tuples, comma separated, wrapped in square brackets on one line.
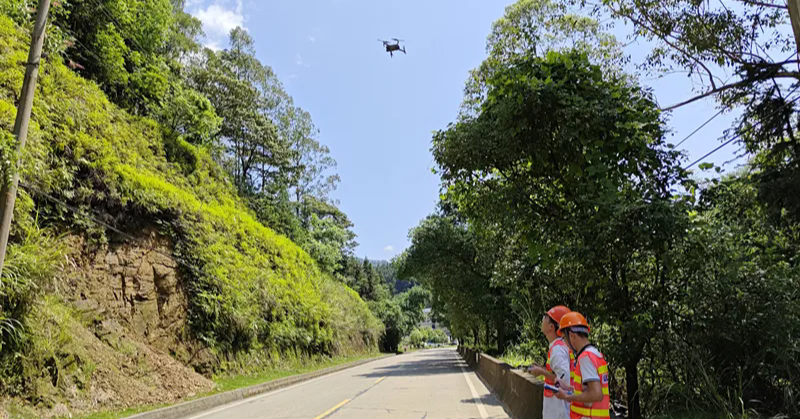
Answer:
[(299, 61), (219, 21), (219, 18), (213, 46), (388, 248), (312, 38)]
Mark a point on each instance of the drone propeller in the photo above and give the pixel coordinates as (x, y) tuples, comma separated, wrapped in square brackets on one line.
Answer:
[(399, 40)]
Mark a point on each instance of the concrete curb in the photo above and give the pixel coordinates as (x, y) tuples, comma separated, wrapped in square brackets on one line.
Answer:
[(192, 407), (520, 393)]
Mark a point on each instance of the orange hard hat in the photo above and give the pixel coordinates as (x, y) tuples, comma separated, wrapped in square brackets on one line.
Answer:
[(573, 319), (557, 312)]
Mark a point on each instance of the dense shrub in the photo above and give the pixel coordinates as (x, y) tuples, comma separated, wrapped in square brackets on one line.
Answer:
[(421, 335), (248, 286)]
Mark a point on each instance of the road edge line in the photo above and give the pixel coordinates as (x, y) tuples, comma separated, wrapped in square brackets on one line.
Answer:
[(478, 402), (201, 405)]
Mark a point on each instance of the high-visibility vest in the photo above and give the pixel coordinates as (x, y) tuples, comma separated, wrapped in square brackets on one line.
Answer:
[(596, 410), (557, 342)]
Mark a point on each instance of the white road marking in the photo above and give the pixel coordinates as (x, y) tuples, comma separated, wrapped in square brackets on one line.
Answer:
[(475, 396), (281, 390)]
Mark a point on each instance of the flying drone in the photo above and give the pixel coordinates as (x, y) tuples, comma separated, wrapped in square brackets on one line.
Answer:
[(391, 47)]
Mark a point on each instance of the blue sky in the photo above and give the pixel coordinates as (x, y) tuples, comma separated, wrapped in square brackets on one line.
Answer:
[(377, 113)]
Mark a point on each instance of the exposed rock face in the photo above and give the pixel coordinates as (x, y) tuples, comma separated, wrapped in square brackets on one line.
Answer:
[(116, 322), (135, 286)]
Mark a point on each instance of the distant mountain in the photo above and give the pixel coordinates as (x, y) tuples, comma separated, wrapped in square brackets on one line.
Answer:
[(389, 274)]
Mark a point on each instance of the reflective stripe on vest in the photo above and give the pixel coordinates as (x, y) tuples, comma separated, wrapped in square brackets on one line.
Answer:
[(581, 412), (557, 342), (596, 410)]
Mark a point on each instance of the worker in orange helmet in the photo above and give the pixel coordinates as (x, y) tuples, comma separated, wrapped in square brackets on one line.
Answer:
[(557, 368), (589, 397)]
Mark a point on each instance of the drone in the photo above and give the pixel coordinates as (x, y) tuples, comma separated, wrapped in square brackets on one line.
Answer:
[(391, 47)]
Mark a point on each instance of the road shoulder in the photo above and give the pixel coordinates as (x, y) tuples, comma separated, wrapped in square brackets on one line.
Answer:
[(185, 409)]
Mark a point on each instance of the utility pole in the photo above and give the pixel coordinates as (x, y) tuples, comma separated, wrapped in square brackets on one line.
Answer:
[(8, 193), (794, 17)]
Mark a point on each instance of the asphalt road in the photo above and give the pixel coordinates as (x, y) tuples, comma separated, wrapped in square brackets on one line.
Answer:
[(430, 384)]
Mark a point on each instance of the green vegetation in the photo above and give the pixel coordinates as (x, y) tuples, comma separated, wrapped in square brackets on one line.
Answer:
[(421, 335), (400, 312), (559, 187), (95, 156), (120, 413), (285, 369), (743, 57), (232, 382), (137, 143)]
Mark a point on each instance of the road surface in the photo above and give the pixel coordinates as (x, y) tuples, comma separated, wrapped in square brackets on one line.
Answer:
[(431, 384)]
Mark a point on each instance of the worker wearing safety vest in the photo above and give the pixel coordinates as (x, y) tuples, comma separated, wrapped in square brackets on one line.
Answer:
[(589, 397), (557, 368)]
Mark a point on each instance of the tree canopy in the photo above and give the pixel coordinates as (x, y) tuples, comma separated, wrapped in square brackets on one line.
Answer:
[(558, 187), (743, 54), (142, 127)]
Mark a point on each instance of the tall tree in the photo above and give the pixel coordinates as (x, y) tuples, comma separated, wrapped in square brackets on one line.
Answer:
[(388, 273), (270, 147), (573, 161), (312, 159), (241, 90), (182, 41), (330, 238), (536, 27), (120, 44), (753, 40), (721, 337), (540, 26), (447, 257), (137, 51)]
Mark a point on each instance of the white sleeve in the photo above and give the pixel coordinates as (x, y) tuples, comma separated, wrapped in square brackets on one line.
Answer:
[(588, 370), (559, 362)]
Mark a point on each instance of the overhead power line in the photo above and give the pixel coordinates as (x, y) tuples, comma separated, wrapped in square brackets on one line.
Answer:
[(700, 127), (737, 136), (98, 221), (110, 15), (712, 152)]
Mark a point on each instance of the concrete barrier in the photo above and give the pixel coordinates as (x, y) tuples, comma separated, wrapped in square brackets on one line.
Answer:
[(520, 393), (185, 409), (471, 356)]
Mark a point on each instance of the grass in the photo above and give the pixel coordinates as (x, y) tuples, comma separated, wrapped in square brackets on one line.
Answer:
[(116, 414), (233, 382), (227, 383), (243, 276), (516, 359), (248, 287)]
